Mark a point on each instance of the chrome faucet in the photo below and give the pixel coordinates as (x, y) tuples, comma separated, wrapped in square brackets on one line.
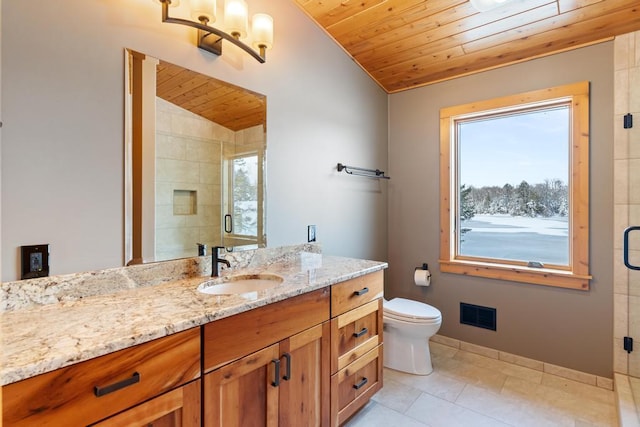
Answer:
[(215, 260)]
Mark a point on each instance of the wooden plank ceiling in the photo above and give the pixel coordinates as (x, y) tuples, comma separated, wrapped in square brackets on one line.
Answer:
[(404, 44), (230, 106)]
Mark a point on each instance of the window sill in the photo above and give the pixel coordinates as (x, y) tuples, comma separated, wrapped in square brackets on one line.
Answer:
[(537, 276)]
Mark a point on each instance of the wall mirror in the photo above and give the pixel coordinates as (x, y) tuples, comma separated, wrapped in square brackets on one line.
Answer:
[(194, 162)]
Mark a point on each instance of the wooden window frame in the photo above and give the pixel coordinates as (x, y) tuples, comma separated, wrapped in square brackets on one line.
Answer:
[(576, 275)]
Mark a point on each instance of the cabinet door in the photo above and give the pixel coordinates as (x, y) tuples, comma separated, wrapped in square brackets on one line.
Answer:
[(244, 393), (177, 408), (305, 389)]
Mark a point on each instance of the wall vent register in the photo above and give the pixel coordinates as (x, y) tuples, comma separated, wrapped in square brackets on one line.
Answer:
[(479, 316)]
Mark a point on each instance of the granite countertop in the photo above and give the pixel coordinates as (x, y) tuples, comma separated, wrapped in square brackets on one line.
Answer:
[(43, 338)]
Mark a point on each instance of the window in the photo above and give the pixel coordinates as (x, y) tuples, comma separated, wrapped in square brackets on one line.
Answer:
[(244, 195), (243, 200), (514, 187)]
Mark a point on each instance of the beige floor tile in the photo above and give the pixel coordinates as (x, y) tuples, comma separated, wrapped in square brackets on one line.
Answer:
[(514, 410), (376, 415), (471, 374), (438, 412), (577, 406), (500, 366), (395, 395), (575, 388), (436, 384), (439, 351), (468, 389)]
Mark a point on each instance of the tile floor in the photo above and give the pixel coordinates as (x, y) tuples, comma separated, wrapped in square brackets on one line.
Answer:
[(470, 390)]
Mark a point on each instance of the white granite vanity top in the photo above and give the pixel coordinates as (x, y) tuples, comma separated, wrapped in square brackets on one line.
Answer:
[(41, 338)]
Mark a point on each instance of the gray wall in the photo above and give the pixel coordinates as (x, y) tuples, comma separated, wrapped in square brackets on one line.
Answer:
[(62, 104), (563, 327)]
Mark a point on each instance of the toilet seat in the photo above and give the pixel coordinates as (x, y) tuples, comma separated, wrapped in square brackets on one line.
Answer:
[(411, 311)]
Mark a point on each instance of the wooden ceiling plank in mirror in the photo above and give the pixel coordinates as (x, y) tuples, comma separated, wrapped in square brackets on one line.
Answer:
[(234, 109), (409, 43)]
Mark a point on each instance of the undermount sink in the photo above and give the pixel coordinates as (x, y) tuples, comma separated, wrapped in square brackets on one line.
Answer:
[(240, 284)]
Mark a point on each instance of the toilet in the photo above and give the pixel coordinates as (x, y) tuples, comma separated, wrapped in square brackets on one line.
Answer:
[(408, 325)]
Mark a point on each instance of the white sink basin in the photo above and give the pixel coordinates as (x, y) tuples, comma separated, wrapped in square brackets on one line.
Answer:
[(240, 284)]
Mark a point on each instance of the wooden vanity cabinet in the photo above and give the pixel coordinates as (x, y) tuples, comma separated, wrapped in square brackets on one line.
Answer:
[(356, 344), (310, 360), (93, 390), (177, 408), (269, 366)]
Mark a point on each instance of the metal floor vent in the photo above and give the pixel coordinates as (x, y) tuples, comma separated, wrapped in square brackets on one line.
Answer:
[(476, 315)]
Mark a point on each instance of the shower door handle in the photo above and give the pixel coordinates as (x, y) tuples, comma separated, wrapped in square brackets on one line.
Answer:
[(625, 248), (228, 223)]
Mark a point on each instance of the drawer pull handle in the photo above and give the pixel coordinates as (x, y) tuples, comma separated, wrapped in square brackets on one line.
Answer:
[(287, 376), (276, 362), (361, 291), (361, 384), (101, 391), (361, 333)]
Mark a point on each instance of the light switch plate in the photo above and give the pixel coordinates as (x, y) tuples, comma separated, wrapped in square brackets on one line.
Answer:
[(35, 261)]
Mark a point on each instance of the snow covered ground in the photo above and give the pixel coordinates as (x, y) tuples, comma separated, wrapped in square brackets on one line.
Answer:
[(540, 239)]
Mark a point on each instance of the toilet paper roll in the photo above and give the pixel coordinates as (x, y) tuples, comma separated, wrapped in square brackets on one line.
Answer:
[(422, 277)]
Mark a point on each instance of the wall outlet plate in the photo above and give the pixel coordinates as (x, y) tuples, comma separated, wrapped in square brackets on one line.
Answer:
[(311, 233), (35, 261)]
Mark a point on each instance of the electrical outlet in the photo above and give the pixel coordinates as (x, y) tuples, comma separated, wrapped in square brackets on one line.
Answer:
[(35, 261), (311, 233)]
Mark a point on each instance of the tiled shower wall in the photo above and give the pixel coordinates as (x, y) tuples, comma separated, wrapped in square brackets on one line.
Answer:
[(188, 158), (626, 200)]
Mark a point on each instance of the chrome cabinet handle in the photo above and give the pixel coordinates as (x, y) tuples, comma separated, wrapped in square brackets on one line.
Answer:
[(101, 391)]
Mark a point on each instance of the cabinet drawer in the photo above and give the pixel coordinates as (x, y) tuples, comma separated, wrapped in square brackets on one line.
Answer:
[(89, 391), (355, 292), (355, 333), (231, 338), (354, 385)]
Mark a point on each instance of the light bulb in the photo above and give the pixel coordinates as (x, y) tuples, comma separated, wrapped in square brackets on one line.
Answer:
[(204, 8), (262, 30), (236, 17)]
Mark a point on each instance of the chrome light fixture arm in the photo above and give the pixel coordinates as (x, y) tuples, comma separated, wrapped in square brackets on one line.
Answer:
[(205, 32)]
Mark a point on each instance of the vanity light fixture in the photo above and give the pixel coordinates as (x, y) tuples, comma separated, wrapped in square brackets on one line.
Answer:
[(235, 20), (487, 5)]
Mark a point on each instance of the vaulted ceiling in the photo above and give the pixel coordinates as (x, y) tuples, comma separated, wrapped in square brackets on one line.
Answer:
[(404, 44)]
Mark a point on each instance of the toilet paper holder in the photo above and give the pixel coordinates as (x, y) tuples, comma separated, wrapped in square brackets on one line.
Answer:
[(422, 275)]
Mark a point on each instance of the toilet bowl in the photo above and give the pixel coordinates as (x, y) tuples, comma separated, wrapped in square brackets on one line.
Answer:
[(408, 325)]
